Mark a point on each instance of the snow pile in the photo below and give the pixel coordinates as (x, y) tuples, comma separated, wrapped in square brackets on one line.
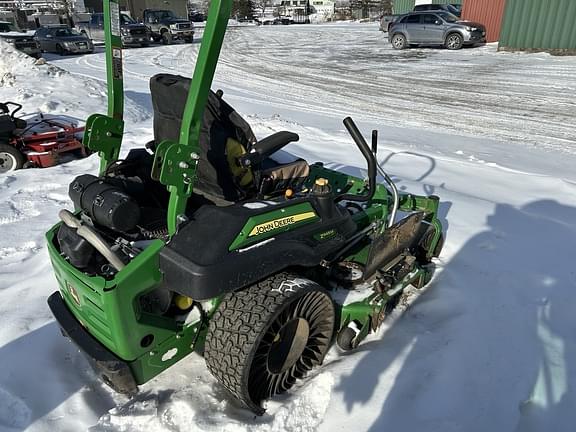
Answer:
[(11, 61), (209, 409), (53, 90)]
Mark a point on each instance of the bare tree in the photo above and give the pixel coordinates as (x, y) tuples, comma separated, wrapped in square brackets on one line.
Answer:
[(370, 8)]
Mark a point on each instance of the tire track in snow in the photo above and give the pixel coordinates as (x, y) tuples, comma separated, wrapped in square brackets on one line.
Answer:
[(505, 94)]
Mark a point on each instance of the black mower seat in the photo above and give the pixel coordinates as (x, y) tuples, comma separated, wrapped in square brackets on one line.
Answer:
[(226, 139), (7, 126)]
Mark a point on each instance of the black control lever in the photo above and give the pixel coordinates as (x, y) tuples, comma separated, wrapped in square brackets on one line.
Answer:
[(370, 159), (374, 141), (5, 110)]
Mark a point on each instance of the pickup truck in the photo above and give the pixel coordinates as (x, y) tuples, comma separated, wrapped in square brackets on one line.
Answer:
[(131, 32), (22, 41), (165, 26)]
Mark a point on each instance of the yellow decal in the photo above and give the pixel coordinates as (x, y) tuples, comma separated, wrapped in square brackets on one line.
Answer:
[(279, 223), (73, 293)]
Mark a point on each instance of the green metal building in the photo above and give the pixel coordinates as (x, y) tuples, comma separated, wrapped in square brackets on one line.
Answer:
[(538, 25), (404, 6)]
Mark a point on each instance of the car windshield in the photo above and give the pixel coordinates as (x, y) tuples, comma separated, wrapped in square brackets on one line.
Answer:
[(165, 15), (125, 19), (7, 27), (448, 17), (65, 32)]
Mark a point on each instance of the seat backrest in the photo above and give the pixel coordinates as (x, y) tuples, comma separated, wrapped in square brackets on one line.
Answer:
[(7, 126), (220, 124)]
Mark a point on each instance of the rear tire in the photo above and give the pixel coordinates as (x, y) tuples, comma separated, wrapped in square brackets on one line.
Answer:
[(11, 159), (399, 41), (166, 38), (264, 338), (454, 41)]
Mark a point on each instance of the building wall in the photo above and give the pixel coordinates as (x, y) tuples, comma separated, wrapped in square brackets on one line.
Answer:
[(402, 6), (539, 25), (487, 12), (323, 10)]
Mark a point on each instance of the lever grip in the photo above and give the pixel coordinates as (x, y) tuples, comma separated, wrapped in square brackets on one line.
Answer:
[(370, 159)]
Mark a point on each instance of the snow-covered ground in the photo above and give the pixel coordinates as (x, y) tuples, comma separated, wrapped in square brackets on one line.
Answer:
[(490, 345)]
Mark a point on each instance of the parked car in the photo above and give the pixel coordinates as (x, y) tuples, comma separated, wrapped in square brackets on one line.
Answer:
[(435, 28), (131, 32), (63, 40), (22, 41), (387, 20), (165, 26), (440, 8)]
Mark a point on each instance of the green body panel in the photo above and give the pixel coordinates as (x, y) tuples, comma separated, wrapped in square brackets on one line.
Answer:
[(539, 25), (368, 313), (273, 223), (160, 358), (109, 308), (104, 135), (187, 339)]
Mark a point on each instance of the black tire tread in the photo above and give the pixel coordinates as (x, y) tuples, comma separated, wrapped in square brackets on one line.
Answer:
[(237, 327)]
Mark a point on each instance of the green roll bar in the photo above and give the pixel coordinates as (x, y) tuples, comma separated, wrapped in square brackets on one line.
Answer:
[(174, 162)]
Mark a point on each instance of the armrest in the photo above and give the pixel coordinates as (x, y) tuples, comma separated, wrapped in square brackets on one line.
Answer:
[(267, 146)]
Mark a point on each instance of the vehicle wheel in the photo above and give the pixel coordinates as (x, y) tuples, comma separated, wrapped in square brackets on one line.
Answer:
[(262, 339), (190, 39), (454, 41), (11, 158), (144, 45), (166, 38), (399, 41), (423, 248), (345, 339), (60, 50)]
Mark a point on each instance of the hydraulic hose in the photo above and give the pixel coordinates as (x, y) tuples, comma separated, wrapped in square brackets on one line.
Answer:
[(92, 237)]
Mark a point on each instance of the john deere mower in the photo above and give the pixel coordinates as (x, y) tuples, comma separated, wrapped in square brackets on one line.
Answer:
[(202, 241)]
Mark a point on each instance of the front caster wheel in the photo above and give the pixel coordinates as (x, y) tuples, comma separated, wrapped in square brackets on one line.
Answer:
[(264, 338)]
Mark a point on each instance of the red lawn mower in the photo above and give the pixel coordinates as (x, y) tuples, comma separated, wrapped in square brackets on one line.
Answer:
[(37, 142)]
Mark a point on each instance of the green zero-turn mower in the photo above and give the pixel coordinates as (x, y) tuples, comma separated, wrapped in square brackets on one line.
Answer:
[(202, 241)]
